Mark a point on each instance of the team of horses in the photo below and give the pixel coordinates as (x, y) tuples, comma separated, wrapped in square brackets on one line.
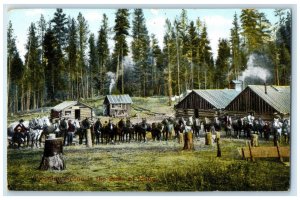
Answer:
[(125, 131)]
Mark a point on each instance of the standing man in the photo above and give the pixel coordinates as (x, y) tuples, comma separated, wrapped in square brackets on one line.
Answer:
[(97, 131), (85, 125), (63, 127), (71, 131)]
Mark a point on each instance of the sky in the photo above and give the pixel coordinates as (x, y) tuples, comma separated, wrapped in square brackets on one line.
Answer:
[(218, 21)]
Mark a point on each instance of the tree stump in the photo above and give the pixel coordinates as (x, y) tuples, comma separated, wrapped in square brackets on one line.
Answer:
[(254, 140), (52, 158), (208, 138), (188, 141), (89, 142)]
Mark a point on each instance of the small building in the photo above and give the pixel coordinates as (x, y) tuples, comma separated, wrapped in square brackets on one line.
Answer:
[(262, 100), (204, 103), (117, 105), (72, 110)]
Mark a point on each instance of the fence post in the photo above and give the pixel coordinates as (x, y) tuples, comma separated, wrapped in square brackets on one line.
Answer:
[(250, 151), (279, 153)]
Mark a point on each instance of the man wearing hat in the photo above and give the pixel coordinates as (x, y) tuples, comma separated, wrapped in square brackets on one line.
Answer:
[(21, 132), (63, 127)]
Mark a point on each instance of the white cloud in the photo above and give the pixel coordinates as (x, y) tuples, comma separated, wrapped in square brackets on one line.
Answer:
[(217, 27), (34, 12), (156, 26), (154, 11), (93, 16)]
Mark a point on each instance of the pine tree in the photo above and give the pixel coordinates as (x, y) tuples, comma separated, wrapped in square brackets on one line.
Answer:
[(193, 44), (206, 59), (15, 71), (222, 78), (93, 63), (235, 41), (121, 48), (82, 38), (33, 69), (60, 23), (140, 49), (103, 54), (51, 62), (72, 60)]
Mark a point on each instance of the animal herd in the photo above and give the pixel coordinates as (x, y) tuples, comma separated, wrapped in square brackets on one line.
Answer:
[(37, 130)]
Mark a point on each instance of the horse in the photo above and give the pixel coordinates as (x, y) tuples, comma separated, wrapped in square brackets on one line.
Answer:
[(227, 125), (178, 127), (109, 132), (167, 129), (128, 131), (237, 126), (35, 131), (120, 131), (258, 125), (141, 130), (156, 131), (196, 127), (286, 129)]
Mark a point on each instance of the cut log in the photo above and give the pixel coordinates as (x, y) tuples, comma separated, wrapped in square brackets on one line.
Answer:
[(53, 158), (188, 141), (208, 138)]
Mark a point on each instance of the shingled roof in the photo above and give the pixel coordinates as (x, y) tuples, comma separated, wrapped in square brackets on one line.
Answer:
[(66, 104), (219, 98), (117, 99), (277, 96)]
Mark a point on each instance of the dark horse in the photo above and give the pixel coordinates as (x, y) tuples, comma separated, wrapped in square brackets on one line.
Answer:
[(141, 130), (156, 131), (179, 126), (109, 132), (128, 131)]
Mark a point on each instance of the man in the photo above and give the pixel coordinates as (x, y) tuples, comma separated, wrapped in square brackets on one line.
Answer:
[(71, 131), (85, 125), (97, 130), (20, 133), (63, 127)]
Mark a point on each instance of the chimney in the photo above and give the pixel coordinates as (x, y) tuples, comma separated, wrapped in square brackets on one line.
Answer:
[(266, 88)]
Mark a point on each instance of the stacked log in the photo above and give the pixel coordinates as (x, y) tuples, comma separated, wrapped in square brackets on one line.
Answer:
[(254, 140)]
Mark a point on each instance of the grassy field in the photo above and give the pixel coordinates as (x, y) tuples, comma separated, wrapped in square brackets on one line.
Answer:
[(151, 166)]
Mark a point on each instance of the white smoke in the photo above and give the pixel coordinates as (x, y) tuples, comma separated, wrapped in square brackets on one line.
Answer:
[(112, 77), (255, 71)]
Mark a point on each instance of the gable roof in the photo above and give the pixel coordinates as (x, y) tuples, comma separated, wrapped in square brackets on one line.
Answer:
[(66, 104), (116, 99), (277, 96), (219, 98)]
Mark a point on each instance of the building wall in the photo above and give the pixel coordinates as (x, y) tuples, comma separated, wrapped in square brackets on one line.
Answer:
[(248, 101), (202, 113)]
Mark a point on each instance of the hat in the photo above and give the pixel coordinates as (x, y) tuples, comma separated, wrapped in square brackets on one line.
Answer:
[(21, 120)]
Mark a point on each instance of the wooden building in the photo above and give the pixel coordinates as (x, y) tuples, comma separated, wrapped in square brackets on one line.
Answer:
[(117, 105), (204, 103), (72, 110), (262, 100)]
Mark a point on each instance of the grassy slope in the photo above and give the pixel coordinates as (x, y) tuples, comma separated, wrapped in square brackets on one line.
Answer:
[(148, 167), (154, 104)]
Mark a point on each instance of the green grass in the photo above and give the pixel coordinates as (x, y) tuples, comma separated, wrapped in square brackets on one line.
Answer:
[(148, 167)]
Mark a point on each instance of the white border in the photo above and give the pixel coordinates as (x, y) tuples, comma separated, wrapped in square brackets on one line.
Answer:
[(165, 4)]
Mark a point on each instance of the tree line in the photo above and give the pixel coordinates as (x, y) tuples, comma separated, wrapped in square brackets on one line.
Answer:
[(64, 61)]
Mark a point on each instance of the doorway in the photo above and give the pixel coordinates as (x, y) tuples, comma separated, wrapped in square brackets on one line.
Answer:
[(77, 114), (196, 113)]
